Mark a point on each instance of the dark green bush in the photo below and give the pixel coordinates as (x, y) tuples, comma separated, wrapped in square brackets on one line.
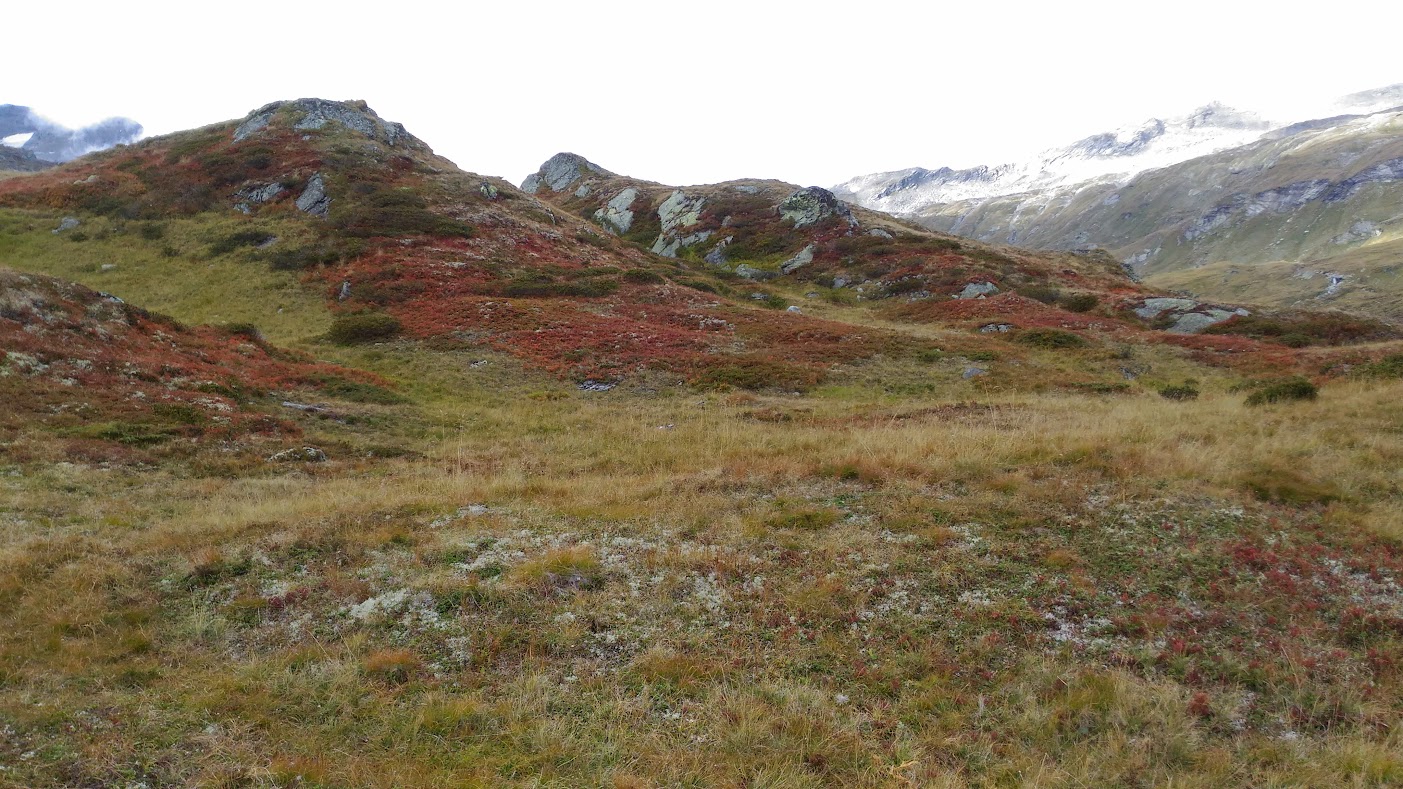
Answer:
[(1289, 390), (1183, 392), (756, 373), (363, 327), (1050, 338), (1281, 485), (242, 238), (1301, 330), (643, 277), (1387, 367), (1080, 302), (1043, 293)]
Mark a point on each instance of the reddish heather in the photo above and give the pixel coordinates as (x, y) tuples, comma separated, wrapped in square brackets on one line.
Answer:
[(68, 350)]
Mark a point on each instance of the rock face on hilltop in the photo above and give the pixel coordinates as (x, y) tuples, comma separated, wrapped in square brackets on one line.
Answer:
[(560, 171), (313, 114), (51, 142)]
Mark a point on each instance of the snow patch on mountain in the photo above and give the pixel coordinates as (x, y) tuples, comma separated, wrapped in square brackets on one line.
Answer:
[(1116, 155)]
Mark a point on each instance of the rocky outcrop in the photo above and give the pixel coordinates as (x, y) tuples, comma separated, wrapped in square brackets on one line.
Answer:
[(1189, 316), (617, 215), (678, 212), (978, 290), (314, 200), (315, 114), (812, 205), (256, 194), (560, 171), (804, 258)]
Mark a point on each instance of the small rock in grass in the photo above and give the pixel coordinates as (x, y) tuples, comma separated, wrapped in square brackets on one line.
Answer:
[(299, 455)]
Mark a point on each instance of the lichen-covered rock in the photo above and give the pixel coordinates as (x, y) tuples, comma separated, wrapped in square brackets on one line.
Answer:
[(668, 247), (299, 455), (751, 273), (67, 223), (1190, 317), (256, 194), (717, 255), (976, 290), (879, 233), (489, 191), (1152, 308), (314, 199), (1195, 322), (812, 205), (313, 114), (804, 258), (560, 171), (616, 214), (679, 210)]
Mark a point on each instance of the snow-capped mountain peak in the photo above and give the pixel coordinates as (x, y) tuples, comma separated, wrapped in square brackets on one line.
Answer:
[(1119, 155)]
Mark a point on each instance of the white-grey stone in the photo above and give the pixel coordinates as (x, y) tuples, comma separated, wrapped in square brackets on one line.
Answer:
[(314, 114), (976, 290), (792, 308), (717, 256), (878, 232), (751, 273), (256, 194), (813, 204), (560, 171), (1153, 307), (971, 372), (679, 211), (615, 215), (804, 258), (299, 455), (1000, 328), (583, 191), (1194, 322), (314, 199), (67, 223)]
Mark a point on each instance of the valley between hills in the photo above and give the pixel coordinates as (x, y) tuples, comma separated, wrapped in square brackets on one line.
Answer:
[(324, 462)]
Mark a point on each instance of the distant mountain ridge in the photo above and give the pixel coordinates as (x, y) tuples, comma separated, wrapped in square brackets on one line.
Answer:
[(52, 142), (1114, 155)]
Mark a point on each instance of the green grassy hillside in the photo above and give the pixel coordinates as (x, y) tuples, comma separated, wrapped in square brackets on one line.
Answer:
[(463, 489)]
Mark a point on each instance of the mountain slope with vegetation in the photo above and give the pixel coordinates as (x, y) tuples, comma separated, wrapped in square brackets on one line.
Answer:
[(1301, 218), (542, 496)]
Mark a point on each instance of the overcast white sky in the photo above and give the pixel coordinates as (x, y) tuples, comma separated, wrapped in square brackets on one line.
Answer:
[(707, 90)]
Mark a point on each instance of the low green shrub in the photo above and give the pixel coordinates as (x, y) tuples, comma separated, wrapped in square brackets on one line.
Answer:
[(1181, 392), (1080, 302), (363, 327), (1050, 339), (1289, 390)]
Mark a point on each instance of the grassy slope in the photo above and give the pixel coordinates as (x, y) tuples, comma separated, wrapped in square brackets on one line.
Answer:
[(783, 591), (157, 273), (1373, 284), (904, 577)]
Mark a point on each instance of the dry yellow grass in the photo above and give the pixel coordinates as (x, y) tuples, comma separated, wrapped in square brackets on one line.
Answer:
[(656, 591)]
